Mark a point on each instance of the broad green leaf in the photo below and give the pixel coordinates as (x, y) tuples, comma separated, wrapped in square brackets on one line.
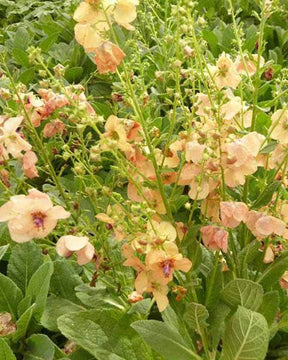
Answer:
[(5, 351), (88, 335), (265, 197), (217, 322), (214, 285), (73, 74), (56, 307), (171, 318), (141, 307), (81, 354), (39, 347), (269, 306), (23, 305), (27, 75), (106, 334), (24, 261), (21, 57), (98, 296), (196, 315), (10, 296), (164, 339), (242, 292), (3, 250), (21, 38), (246, 336), (38, 287), (64, 280), (274, 271), (23, 323)]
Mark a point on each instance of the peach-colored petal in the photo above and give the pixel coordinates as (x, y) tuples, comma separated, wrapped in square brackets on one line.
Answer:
[(61, 248), (85, 255), (75, 243), (6, 211), (58, 212)]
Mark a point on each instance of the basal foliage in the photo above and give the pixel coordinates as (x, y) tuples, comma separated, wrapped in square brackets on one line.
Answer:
[(143, 176)]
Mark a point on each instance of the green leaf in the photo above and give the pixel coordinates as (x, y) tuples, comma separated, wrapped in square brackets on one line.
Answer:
[(196, 315), (39, 347), (56, 307), (164, 339), (269, 147), (10, 296), (48, 41), (140, 307), (265, 197), (27, 76), (176, 322), (21, 39), (274, 271), (106, 334), (3, 250), (242, 292), (73, 74), (24, 261), (23, 323), (246, 336), (23, 305), (217, 322), (21, 57), (88, 335), (269, 306), (5, 351), (64, 280), (214, 285), (38, 287)]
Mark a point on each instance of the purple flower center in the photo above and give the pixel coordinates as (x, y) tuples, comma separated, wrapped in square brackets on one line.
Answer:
[(166, 268), (38, 219)]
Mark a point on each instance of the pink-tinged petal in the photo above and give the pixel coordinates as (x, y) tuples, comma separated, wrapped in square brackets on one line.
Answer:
[(183, 264), (58, 212), (85, 255), (170, 248), (6, 211), (141, 282), (161, 300), (75, 243), (265, 225), (269, 255), (105, 218), (61, 248), (36, 194), (20, 229), (12, 124), (154, 257)]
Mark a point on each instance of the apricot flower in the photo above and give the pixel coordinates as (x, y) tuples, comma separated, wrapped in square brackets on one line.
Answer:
[(248, 66), (262, 225), (146, 282), (31, 216), (239, 158), (69, 244), (214, 238), (232, 213), (54, 127), (164, 262), (28, 164), (11, 141), (280, 126), (107, 57), (225, 73), (125, 12), (284, 280)]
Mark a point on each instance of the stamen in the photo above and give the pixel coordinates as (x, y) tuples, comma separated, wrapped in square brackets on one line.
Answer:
[(38, 219)]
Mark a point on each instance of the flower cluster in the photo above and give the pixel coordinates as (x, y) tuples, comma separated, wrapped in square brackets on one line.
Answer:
[(94, 19)]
